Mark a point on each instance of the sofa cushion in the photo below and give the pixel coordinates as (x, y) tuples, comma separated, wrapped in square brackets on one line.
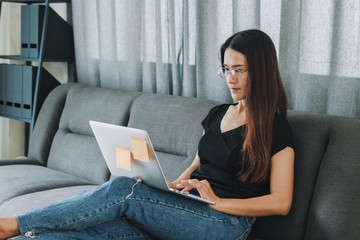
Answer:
[(335, 208), (78, 155), (311, 140), (74, 149), (17, 180), (326, 172), (16, 206), (47, 123), (174, 126), (85, 103)]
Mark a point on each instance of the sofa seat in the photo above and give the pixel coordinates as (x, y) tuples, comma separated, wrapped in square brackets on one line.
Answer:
[(17, 180), (41, 198)]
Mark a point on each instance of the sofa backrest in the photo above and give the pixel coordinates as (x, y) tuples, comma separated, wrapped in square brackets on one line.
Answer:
[(47, 124), (174, 127), (64, 140), (326, 194), (74, 149)]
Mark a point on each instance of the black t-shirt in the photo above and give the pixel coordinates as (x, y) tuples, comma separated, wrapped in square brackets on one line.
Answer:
[(220, 155)]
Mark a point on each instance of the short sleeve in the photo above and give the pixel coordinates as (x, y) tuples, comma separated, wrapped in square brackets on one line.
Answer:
[(210, 117), (283, 135)]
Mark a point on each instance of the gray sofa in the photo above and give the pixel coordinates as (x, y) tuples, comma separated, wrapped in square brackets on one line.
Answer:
[(64, 157)]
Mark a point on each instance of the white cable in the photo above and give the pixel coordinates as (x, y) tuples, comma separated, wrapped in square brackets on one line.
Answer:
[(132, 189)]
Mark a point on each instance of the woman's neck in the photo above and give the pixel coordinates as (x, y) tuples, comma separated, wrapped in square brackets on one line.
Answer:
[(241, 106)]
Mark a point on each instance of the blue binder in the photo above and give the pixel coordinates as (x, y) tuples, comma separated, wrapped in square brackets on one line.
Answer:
[(2, 88), (13, 93), (9, 97), (17, 90), (25, 30), (29, 73), (36, 16)]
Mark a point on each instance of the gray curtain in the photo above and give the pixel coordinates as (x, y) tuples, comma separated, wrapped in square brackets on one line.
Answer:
[(171, 47)]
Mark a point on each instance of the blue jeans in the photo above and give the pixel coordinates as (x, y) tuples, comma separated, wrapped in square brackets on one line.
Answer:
[(125, 209)]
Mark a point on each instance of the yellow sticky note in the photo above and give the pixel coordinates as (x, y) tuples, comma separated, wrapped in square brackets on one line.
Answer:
[(123, 157), (150, 154), (140, 149)]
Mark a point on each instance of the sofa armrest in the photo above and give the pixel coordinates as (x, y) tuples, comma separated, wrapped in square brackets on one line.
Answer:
[(19, 160)]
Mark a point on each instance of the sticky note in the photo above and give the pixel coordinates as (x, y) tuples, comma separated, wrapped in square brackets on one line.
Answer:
[(123, 157), (150, 154), (140, 149)]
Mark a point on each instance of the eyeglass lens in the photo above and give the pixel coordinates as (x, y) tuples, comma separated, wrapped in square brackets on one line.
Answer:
[(225, 73)]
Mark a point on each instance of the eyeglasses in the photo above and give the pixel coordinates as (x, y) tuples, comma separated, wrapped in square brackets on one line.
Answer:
[(224, 73)]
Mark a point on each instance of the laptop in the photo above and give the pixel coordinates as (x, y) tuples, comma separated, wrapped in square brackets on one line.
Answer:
[(109, 136)]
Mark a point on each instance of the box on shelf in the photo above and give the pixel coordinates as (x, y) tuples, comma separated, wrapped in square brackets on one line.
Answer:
[(59, 34), (17, 90)]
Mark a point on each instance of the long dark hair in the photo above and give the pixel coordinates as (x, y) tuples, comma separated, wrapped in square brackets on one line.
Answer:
[(265, 96)]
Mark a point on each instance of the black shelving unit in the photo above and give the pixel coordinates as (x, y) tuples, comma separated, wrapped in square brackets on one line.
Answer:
[(42, 85)]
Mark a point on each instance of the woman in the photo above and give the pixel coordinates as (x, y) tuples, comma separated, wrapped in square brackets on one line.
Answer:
[(244, 164)]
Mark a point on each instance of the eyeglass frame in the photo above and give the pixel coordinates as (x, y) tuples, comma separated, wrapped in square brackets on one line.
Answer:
[(225, 73)]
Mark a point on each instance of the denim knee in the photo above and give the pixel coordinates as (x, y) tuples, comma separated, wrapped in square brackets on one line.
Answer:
[(120, 182)]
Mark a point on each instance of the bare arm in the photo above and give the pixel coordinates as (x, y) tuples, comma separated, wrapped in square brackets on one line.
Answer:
[(278, 202)]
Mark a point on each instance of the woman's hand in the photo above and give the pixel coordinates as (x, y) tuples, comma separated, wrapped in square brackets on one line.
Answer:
[(203, 188), (186, 174), (171, 184)]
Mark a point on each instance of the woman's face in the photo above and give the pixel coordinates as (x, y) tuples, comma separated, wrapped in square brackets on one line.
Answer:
[(236, 81)]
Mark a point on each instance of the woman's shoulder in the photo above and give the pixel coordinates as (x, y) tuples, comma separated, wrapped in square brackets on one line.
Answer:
[(216, 112), (281, 125), (220, 107), (281, 122), (282, 133)]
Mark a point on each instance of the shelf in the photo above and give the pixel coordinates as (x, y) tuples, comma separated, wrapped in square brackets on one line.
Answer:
[(27, 120), (20, 58), (35, 82), (38, 1)]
